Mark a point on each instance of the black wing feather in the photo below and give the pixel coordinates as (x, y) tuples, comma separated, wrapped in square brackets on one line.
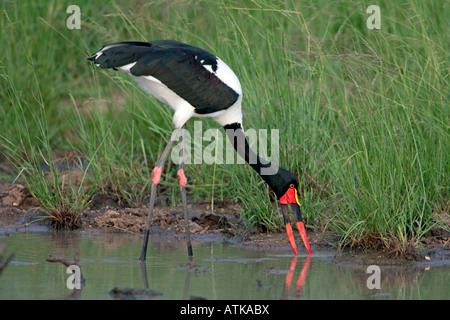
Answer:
[(178, 66)]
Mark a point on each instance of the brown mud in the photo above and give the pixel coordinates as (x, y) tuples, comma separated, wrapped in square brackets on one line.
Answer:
[(19, 211)]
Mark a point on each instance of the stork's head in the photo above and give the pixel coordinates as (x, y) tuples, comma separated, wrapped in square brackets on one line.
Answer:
[(285, 185)]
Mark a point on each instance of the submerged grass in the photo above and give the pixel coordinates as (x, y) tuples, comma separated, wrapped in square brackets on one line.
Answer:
[(363, 114)]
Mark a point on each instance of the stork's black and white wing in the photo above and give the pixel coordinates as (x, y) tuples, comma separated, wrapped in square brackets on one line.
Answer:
[(190, 80)]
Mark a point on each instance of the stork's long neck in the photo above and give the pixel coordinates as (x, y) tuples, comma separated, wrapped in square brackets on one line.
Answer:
[(237, 137), (268, 171)]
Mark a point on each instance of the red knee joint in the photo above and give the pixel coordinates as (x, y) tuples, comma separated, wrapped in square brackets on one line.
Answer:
[(181, 178), (156, 175)]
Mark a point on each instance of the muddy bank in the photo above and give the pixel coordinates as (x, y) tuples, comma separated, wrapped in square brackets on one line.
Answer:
[(20, 211)]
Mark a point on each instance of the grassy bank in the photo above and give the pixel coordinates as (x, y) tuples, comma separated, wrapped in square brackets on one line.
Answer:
[(363, 114)]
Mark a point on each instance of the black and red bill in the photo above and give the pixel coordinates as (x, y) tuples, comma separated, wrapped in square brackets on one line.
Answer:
[(291, 198)]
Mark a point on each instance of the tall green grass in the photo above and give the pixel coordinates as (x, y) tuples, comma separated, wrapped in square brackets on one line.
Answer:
[(363, 114)]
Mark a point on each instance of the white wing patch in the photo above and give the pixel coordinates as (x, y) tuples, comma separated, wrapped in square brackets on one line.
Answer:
[(209, 68), (226, 75), (126, 67)]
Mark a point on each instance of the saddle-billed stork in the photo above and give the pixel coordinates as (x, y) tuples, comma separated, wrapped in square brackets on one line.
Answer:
[(195, 83)]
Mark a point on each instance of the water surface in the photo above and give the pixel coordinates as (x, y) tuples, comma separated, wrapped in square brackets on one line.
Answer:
[(222, 271)]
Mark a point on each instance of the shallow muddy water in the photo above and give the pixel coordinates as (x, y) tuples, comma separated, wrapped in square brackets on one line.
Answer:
[(221, 271)]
